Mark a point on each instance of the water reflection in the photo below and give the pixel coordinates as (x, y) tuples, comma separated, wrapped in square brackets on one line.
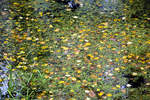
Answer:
[(102, 5), (4, 83)]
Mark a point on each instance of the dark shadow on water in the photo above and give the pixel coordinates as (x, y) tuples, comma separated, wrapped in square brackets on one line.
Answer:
[(135, 81)]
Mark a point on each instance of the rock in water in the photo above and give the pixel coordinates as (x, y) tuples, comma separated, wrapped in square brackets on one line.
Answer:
[(73, 5)]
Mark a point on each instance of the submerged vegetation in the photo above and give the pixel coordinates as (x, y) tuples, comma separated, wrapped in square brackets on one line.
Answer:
[(94, 52)]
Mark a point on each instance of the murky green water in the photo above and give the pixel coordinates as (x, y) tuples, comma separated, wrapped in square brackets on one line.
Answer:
[(108, 8)]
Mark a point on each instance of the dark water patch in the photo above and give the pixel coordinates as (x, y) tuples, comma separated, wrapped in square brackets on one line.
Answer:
[(135, 81)]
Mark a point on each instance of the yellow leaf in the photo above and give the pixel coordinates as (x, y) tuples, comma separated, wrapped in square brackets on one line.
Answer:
[(50, 26), (101, 93), (148, 55), (116, 59), (35, 58), (25, 67), (65, 48), (118, 86), (98, 89), (109, 94), (1, 80), (90, 55), (101, 48), (93, 76), (117, 69), (18, 66), (23, 99), (63, 68), (29, 38), (148, 42), (113, 48), (74, 79), (39, 30), (106, 23), (57, 50), (87, 44), (44, 64), (46, 76), (131, 1), (12, 59), (124, 57), (78, 71), (100, 26), (44, 47), (35, 70), (15, 3), (68, 9), (122, 67), (105, 26), (96, 58), (41, 13), (114, 88), (56, 30), (115, 20), (42, 42), (71, 90), (123, 33), (134, 74), (61, 82)]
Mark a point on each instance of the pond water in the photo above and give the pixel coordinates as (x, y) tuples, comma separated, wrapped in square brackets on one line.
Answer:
[(3, 84), (3, 70), (105, 6)]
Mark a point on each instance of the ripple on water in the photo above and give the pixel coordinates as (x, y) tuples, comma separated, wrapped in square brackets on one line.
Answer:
[(3, 84)]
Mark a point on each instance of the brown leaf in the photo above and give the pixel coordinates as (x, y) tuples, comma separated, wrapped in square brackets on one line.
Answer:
[(91, 94), (123, 91), (93, 76), (100, 74)]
